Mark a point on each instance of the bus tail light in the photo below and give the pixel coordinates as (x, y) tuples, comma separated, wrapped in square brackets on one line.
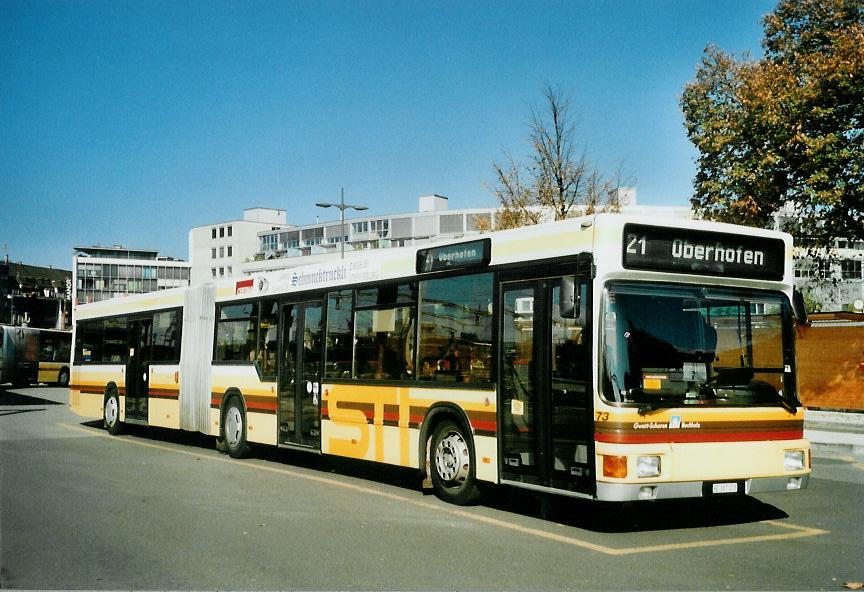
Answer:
[(615, 466)]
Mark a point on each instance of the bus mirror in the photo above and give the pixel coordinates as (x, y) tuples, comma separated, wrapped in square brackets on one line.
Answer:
[(568, 302), (798, 307)]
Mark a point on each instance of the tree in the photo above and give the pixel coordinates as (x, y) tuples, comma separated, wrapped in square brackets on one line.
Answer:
[(785, 132), (558, 177)]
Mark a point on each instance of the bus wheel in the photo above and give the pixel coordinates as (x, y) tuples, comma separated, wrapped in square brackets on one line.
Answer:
[(452, 466), (111, 414), (63, 378), (234, 430)]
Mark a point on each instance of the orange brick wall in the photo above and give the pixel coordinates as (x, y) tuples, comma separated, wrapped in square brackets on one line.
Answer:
[(831, 367)]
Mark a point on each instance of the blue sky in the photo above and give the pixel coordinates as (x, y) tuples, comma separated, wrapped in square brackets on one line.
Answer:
[(132, 122)]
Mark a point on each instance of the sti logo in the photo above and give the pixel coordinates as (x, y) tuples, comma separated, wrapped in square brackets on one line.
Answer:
[(674, 422)]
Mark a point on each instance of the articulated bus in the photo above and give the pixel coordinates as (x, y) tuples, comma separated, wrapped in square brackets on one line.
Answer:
[(29, 355), (607, 357)]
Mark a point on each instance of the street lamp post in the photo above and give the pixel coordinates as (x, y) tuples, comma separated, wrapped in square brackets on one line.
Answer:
[(342, 207)]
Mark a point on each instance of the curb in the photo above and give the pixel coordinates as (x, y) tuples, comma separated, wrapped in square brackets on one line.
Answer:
[(834, 433)]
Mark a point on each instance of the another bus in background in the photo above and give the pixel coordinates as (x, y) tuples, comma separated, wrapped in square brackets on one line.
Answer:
[(29, 355)]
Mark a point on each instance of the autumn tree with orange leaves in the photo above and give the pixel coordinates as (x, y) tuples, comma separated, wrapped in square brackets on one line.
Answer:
[(786, 129)]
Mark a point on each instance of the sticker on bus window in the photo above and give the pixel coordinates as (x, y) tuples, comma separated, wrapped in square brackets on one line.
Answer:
[(653, 382), (517, 407)]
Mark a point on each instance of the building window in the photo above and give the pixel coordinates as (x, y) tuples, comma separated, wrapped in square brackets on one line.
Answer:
[(451, 224), (214, 272), (221, 272), (381, 227), (221, 252), (479, 222), (221, 232), (851, 269), (213, 253), (230, 233), (230, 271), (213, 232), (268, 242)]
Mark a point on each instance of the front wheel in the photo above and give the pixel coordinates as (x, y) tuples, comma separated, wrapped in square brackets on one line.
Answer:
[(111, 414), (452, 465), (234, 430)]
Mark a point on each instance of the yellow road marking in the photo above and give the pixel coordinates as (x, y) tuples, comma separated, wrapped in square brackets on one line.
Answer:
[(796, 531)]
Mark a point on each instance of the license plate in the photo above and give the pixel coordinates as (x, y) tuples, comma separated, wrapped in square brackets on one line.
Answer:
[(724, 488)]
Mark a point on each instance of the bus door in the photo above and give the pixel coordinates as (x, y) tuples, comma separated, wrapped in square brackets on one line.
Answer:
[(301, 338), (546, 399), (138, 368)]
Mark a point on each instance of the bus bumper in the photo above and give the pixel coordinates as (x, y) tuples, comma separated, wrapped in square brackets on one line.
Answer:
[(625, 492)]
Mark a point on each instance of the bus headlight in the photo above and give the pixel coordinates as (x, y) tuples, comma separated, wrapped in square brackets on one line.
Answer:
[(648, 466), (793, 460)]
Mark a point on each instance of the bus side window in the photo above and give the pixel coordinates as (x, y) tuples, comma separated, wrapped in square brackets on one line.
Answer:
[(456, 329), (384, 332), (268, 337)]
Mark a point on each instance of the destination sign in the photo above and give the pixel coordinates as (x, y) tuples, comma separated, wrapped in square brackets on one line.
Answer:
[(460, 256), (684, 250)]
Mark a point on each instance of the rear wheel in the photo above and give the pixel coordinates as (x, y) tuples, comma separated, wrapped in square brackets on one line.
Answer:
[(234, 429), (111, 414), (452, 465)]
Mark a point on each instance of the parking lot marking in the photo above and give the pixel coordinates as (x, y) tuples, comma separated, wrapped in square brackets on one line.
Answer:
[(795, 531)]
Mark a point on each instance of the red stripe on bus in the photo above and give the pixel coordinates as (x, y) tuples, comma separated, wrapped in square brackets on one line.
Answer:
[(164, 394), (667, 436), (487, 427), (258, 406)]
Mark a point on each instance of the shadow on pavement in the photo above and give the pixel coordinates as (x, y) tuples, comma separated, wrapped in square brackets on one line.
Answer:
[(658, 515), (604, 517), (15, 399)]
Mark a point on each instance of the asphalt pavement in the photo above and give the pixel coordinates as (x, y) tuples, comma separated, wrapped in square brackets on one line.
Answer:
[(162, 509)]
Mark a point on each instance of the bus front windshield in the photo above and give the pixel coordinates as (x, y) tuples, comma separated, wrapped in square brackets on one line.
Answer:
[(666, 346)]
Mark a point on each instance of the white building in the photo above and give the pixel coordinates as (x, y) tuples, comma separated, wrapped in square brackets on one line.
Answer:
[(100, 273), (432, 221), (833, 281), (220, 250), (837, 283)]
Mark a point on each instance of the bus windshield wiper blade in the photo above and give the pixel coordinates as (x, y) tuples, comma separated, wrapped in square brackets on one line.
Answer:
[(649, 403), (787, 404)]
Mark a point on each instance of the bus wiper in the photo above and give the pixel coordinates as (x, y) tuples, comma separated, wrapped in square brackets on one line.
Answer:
[(647, 403), (646, 408), (786, 404)]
